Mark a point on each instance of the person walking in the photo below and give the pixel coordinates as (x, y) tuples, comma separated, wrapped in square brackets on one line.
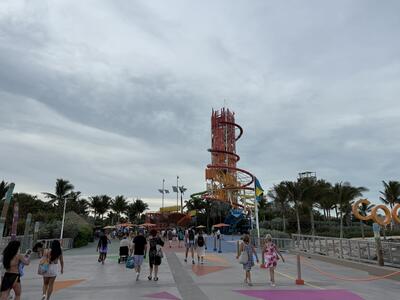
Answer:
[(139, 251), (102, 248), (12, 278), (271, 255), (170, 237), (54, 255), (189, 243), (249, 250), (200, 247), (155, 254), (181, 237)]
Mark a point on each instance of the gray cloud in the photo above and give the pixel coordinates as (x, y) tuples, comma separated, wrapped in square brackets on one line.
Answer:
[(116, 96)]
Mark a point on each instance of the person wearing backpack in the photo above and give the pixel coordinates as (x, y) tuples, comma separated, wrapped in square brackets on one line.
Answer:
[(155, 253), (200, 247), (190, 243)]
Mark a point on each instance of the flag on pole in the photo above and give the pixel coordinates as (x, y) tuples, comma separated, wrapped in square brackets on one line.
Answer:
[(259, 190)]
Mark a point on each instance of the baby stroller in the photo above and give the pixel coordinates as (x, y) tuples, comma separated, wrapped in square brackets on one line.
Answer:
[(123, 254)]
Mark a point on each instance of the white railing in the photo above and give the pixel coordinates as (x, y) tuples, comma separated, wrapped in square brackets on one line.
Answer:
[(350, 249)]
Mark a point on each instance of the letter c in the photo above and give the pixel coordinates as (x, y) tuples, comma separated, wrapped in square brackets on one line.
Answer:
[(356, 212)]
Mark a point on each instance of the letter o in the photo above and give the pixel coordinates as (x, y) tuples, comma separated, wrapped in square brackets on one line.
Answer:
[(377, 219), (356, 212), (395, 214)]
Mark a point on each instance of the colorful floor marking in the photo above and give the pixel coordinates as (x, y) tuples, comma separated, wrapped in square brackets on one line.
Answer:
[(294, 279), (63, 284), (301, 294), (218, 259), (162, 295), (204, 270)]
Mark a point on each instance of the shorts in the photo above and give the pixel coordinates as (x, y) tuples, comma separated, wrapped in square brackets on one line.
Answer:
[(154, 260), (8, 281), (189, 244), (138, 260)]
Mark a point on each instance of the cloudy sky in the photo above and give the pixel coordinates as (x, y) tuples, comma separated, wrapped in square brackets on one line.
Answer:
[(116, 95)]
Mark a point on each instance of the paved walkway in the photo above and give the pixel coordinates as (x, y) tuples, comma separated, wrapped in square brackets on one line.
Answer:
[(221, 277)]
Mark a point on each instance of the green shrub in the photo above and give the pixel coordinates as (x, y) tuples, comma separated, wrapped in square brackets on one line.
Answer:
[(83, 237)]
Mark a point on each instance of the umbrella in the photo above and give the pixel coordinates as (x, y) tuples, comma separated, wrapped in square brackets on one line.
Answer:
[(109, 227), (221, 225), (125, 225), (148, 225), (201, 226)]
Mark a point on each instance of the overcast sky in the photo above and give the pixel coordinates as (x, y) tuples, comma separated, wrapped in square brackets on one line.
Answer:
[(117, 95)]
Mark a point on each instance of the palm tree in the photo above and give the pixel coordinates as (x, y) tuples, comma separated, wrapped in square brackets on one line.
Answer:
[(296, 190), (391, 195), (119, 205), (315, 191), (280, 195), (3, 189), (104, 205), (63, 192), (94, 204), (344, 194), (364, 210), (136, 208)]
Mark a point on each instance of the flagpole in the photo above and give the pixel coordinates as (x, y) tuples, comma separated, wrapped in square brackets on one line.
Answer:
[(256, 211)]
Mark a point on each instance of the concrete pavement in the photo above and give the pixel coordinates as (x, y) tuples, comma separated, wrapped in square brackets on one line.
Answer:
[(221, 277)]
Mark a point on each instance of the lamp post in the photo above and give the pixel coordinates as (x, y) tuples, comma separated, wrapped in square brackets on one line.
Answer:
[(63, 219), (182, 190), (163, 191), (178, 189)]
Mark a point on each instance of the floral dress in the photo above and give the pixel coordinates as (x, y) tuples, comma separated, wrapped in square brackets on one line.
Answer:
[(270, 255), (250, 263)]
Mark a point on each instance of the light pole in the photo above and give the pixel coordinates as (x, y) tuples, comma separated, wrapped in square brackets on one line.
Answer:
[(182, 190), (63, 219), (163, 191)]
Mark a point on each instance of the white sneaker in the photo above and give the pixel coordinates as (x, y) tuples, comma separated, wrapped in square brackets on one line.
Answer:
[(44, 297), (137, 276), (273, 284)]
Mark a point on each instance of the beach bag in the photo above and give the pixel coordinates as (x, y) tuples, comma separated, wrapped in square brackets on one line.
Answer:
[(159, 251), (130, 263), (243, 258), (43, 266)]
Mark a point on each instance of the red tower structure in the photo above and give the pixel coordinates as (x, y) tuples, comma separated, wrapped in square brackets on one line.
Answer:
[(225, 181)]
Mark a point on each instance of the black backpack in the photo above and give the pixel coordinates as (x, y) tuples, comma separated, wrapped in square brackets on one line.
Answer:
[(191, 235), (200, 241)]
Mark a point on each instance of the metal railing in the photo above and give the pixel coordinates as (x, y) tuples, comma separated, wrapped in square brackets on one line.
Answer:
[(350, 249), (67, 243)]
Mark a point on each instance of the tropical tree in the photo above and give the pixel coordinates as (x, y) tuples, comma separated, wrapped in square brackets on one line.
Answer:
[(63, 192), (95, 204), (344, 194), (280, 195), (120, 206), (3, 189), (104, 205), (296, 190), (78, 205), (315, 191), (136, 208), (391, 194), (364, 210)]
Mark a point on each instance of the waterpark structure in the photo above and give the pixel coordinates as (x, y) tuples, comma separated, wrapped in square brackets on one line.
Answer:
[(225, 182)]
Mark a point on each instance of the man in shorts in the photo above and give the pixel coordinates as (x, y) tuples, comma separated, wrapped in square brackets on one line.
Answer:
[(189, 243), (139, 251)]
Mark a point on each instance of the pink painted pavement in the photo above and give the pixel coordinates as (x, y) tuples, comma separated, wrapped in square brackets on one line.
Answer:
[(300, 294), (162, 295)]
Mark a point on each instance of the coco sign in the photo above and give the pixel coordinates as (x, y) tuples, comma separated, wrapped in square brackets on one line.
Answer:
[(389, 216)]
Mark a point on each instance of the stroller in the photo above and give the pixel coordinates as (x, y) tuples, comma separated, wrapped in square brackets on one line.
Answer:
[(123, 254)]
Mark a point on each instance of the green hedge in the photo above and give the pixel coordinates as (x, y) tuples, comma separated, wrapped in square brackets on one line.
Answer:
[(84, 236)]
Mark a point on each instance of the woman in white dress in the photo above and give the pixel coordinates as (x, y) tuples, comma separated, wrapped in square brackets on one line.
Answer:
[(54, 255)]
